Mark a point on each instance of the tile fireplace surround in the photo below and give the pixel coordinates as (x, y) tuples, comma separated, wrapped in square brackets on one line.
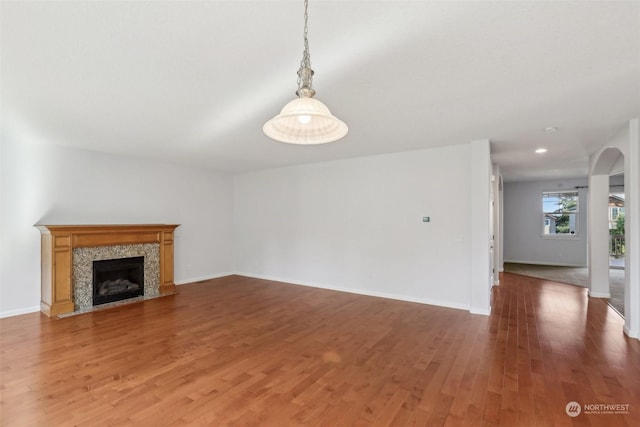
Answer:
[(62, 244)]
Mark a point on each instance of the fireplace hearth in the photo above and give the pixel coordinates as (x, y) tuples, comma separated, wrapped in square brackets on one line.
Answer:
[(117, 279)]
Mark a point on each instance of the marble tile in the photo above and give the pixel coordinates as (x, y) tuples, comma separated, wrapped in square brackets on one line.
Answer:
[(83, 269)]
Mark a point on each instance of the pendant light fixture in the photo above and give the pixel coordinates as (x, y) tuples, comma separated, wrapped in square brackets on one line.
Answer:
[(305, 120)]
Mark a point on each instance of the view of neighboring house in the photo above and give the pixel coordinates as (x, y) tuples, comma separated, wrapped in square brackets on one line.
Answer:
[(549, 224), (617, 246), (616, 209)]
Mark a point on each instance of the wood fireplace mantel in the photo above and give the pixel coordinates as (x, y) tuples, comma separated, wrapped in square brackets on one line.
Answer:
[(58, 242)]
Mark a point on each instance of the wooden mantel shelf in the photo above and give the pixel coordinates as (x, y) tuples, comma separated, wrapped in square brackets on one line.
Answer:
[(58, 242)]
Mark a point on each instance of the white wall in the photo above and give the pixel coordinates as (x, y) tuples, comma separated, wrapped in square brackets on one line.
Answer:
[(497, 223), (522, 236), (352, 225), (481, 217), (52, 185), (356, 225), (632, 231)]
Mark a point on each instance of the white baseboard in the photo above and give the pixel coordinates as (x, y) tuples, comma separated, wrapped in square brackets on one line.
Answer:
[(553, 264), (631, 333), (19, 311), (599, 294), (398, 297), (482, 311), (200, 279)]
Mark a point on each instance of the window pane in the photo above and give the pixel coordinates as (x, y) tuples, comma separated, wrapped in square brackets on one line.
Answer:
[(550, 203), (560, 202), (560, 224)]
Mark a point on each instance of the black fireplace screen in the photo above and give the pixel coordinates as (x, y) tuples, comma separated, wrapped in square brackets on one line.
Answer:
[(117, 279)]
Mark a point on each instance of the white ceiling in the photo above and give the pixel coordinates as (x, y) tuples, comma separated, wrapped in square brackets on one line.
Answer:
[(194, 81)]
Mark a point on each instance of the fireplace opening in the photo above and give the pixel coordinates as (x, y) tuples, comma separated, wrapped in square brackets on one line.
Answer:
[(117, 279)]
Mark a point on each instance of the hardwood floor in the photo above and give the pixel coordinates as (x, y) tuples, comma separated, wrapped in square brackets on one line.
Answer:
[(241, 351)]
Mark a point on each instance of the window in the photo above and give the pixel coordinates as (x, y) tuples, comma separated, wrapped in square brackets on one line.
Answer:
[(615, 212), (560, 213)]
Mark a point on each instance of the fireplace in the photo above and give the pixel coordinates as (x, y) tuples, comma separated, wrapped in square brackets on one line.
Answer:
[(117, 279), (68, 252)]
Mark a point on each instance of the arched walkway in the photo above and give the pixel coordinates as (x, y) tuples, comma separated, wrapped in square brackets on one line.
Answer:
[(621, 154), (599, 221)]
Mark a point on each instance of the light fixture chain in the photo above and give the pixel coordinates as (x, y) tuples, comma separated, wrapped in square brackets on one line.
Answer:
[(306, 58), (305, 73)]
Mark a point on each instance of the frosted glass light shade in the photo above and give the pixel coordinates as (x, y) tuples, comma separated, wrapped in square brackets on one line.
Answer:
[(305, 121)]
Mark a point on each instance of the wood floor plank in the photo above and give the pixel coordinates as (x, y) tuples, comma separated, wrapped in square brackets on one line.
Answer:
[(240, 351)]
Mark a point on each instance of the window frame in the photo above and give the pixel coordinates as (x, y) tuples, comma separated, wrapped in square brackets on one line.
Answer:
[(576, 232)]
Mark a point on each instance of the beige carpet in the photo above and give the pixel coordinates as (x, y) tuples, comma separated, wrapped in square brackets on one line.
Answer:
[(573, 276)]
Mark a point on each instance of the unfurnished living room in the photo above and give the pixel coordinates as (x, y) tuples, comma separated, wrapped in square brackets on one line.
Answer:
[(319, 213)]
